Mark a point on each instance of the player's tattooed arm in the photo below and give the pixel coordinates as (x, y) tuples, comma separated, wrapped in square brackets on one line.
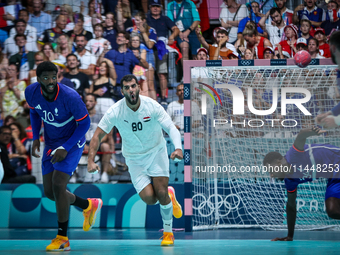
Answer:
[(301, 138)]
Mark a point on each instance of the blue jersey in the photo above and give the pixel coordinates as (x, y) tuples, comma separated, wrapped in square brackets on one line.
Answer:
[(60, 116), (315, 161)]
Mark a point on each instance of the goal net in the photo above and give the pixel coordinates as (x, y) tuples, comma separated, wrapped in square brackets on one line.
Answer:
[(229, 142)]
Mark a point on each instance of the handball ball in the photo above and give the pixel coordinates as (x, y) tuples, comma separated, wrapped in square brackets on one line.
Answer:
[(302, 58)]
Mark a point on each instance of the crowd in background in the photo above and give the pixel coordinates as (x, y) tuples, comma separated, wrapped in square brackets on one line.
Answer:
[(95, 43)]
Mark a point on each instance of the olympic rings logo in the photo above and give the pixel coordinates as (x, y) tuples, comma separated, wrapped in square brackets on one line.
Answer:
[(206, 206), (246, 62), (313, 62), (186, 157), (186, 92)]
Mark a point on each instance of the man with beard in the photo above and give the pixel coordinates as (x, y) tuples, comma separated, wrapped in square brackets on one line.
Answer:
[(276, 28), (309, 11), (65, 121), (305, 163), (80, 80), (140, 121), (87, 59)]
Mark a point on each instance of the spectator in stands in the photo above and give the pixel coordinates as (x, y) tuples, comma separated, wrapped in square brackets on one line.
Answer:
[(10, 13), (248, 54), (96, 45), (39, 19), (10, 48), (93, 16), (64, 47), (51, 35), (79, 28), (163, 25), (148, 38), (287, 14), (103, 87), (24, 59), (301, 44), (221, 52), (24, 119), (221, 35), (255, 16), (288, 47), (186, 24), (123, 59), (12, 94), (110, 33), (8, 120), (60, 75), (39, 57), (333, 23), (305, 28), (202, 54), (139, 50), (231, 14), (275, 29), (123, 11), (254, 42), (268, 53), (319, 34), (80, 79), (311, 12), (67, 11), (313, 48), (10, 175), (87, 59), (107, 144), (30, 31), (49, 52)]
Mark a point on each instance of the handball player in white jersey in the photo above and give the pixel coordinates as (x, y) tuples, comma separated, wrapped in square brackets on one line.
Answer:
[(140, 121)]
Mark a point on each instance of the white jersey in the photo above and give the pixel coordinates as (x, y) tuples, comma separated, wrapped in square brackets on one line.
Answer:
[(141, 131)]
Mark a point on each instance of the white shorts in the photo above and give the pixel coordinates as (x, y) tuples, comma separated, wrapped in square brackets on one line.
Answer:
[(151, 165)]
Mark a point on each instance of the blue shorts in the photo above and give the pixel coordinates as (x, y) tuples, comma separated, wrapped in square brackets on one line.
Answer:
[(333, 188), (150, 58), (194, 44), (68, 165)]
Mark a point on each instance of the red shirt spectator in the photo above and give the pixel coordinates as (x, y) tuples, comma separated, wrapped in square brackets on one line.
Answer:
[(288, 47), (323, 47)]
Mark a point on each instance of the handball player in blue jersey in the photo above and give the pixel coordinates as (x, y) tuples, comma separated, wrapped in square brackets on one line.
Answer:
[(305, 163), (66, 121)]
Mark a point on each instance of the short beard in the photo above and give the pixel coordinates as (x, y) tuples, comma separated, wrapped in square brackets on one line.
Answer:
[(133, 103), (48, 92)]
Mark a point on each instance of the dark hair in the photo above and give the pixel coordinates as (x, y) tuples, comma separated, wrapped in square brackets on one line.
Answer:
[(222, 31), (22, 134), (81, 35), (19, 35), (335, 39), (24, 10), (70, 55), (98, 25), (7, 118), (126, 35), (19, 20), (80, 16), (271, 157), (111, 14), (273, 10), (316, 41), (46, 66), (334, 2), (127, 78), (2, 128), (94, 95), (107, 68), (306, 20), (16, 66)]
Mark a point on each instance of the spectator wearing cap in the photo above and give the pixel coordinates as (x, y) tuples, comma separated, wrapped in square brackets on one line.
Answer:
[(255, 16), (268, 53), (233, 55), (39, 19), (220, 34), (202, 54), (313, 48), (333, 23), (275, 29), (288, 47), (60, 76), (163, 25), (311, 12), (319, 34), (10, 48), (301, 44), (185, 15), (24, 58), (30, 31), (305, 28), (255, 42), (51, 35)]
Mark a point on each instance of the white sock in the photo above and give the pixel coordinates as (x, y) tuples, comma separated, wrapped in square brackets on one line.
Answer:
[(166, 212)]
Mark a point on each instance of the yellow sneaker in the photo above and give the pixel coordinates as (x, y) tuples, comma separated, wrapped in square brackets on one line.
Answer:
[(60, 243), (168, 239), (177, 209), (90, 213)]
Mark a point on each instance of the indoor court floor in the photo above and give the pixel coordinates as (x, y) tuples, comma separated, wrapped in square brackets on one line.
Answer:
[(141, 241)]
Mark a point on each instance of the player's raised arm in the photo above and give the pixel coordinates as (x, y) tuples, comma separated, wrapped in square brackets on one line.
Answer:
[(301, 138), (291, 217)]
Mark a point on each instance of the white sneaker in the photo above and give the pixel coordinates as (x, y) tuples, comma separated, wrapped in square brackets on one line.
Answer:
[(105, 177)]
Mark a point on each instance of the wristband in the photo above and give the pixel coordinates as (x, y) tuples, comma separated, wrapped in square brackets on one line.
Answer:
[(190, 29)]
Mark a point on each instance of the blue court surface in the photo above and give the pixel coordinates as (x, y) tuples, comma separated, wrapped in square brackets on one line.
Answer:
[(141, 241)]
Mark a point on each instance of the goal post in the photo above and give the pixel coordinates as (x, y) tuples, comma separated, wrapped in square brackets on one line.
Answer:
[(233, 117)]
